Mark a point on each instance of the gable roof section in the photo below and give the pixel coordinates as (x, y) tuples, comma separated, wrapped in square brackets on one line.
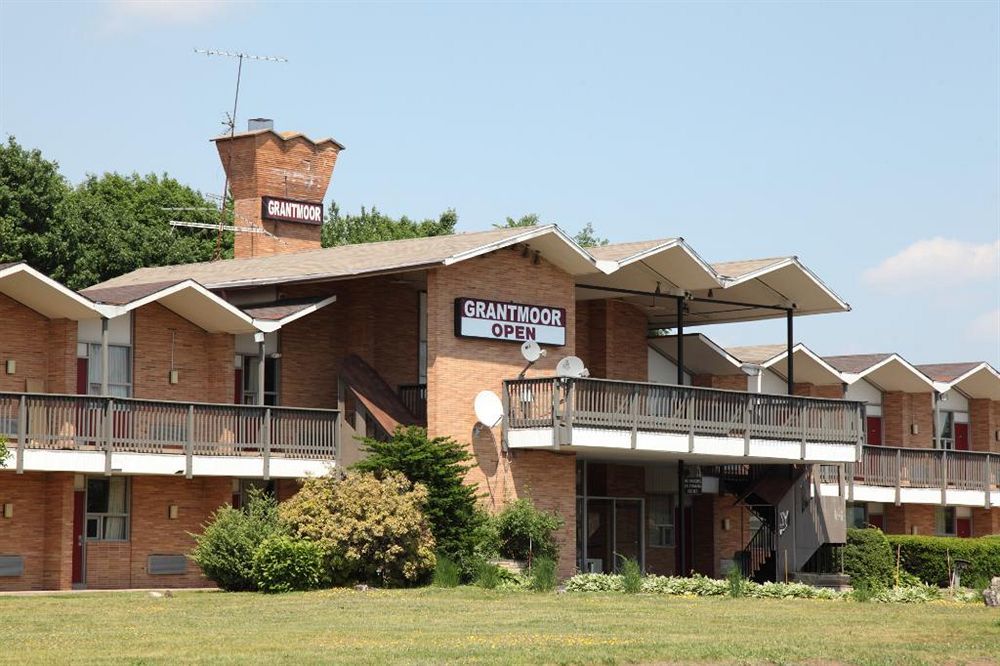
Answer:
[(975, 380), (888, 372), (44, 295), (272, 316), (347, 261), (809, 366)]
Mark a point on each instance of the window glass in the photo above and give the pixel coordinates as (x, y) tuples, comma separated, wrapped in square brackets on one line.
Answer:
[(944, 520), (119, 370), (661, 518), (857, 515), (107, 508)]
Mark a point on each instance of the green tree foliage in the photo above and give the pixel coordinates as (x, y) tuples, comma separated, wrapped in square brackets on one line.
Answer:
[(3, 452), (226, 547), (584, 237), (521, 531), (32, 204), (371, 226), (106, 226), (369, 529), (439, 464)]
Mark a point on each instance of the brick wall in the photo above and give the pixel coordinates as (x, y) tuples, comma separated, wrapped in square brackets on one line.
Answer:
[(900, 411), (712, 542), (901, 519), (268, 165), (984, 421), (203, 360), (41, 530), (459, 368), (727, 382), (44, 350), (58, 530), (611, 339), (986, 522)]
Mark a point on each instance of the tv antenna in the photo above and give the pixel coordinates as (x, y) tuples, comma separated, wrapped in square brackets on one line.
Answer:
[(230, 124)]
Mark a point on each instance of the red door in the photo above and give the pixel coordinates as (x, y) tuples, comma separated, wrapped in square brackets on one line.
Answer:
[(79, 499), (876, 520), (963, 527), (873, 432), (961, 436)]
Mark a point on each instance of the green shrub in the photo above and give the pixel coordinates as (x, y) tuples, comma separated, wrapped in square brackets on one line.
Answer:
[(868, 559), (3, 452), (488, 576), (440, 464), (446, 572), (284, 564), (594, 582), (523, 532), (927, 557), (631, 576), (370, 530), (225, 549), (737, 583), (543, 574), (864, 590)]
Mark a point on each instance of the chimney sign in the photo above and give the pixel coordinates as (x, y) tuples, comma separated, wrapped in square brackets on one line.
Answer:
[(290, 210), (516, 322)]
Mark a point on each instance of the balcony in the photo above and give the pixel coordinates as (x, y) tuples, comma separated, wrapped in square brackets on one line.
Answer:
[(688, 421), (122, 435), (917, 476)]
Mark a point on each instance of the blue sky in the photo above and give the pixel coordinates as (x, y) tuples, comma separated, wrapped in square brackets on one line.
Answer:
[(862, 137)]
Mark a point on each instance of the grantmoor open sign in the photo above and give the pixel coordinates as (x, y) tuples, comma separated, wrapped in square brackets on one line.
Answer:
[(516, 322)]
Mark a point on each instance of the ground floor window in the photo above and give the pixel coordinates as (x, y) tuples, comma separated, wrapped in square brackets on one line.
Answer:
[(107, 508), (864, 514), (661, 519), (945, 521)]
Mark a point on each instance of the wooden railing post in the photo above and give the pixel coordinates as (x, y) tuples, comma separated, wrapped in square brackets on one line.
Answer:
[(109, 430), (691, 397), (189, 445), (338, 423), (22, 432), (899, 474), (569, 396), (988, 477), (747, 407), (944, 476), (850, 480), (802, 419), (266, 442), (505, 419), (555, 414), (634, 413)]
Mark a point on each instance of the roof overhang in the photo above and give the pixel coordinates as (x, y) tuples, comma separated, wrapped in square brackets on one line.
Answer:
[(268, 325), (982, 381), (549, 240), (195, 303), (894, 373), (809, 367), (44, 295), (702, 356), (671, 266)]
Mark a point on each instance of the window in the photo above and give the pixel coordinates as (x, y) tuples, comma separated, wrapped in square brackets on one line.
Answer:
[(107, 508), (661, 518), (857, 515), (944, 521), (250, 375), (119, 370)]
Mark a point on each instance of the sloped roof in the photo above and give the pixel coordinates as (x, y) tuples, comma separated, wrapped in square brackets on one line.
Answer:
[(855, 363), (126, 293), (741, 267), (620, 251), (363, 259), (756, 354), (44, 295), (946, 372)]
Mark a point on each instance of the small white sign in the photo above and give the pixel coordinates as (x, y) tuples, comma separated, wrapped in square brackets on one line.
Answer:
[(515, 322)]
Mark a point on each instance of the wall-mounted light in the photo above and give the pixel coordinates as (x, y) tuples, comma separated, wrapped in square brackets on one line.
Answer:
[(8, 510), (174, 377), (914, 429), (727, 524), (172, 512), (11, 366), (238, 361)]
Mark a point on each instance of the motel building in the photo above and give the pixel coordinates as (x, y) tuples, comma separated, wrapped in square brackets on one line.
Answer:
[(135, 408)]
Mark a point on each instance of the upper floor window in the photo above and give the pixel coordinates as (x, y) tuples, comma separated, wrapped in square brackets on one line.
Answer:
[(119, 370)]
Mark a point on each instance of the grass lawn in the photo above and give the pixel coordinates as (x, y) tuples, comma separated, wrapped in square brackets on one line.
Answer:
[(468, 624)]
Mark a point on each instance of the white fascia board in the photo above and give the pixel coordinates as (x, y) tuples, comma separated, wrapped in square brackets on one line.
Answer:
[(669, 245), (902, 361), (79, 299), (270, 325), (533, 232), (800, 347), (843, 305), (117, 310)]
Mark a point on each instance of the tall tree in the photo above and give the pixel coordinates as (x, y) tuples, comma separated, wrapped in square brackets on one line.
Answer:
[(584, 237), (32, 202), (371, 225)]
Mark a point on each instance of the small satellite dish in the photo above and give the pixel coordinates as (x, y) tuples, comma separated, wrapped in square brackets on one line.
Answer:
[(531, 351), (489, 409), (572, 366)]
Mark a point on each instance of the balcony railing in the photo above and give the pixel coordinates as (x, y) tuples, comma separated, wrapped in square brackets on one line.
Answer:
[(899, 468), (126, 425), (414, 398), (688, 410)]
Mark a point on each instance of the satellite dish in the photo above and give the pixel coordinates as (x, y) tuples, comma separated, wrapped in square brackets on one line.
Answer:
[(572, 366), (531, 351), (489, 409)]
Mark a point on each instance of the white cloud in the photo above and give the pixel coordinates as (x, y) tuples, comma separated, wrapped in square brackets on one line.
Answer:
[(122, 14), (936, 262), (986, 327)]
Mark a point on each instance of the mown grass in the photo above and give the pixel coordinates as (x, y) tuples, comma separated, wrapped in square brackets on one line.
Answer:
[(432, 625)]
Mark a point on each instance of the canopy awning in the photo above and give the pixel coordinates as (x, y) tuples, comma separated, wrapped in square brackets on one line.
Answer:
[(702, 356), (44, 295)]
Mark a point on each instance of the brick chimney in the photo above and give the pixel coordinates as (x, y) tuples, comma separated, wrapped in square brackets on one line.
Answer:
[(278, 182)]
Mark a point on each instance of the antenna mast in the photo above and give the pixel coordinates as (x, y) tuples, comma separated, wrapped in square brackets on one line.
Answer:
[(231, 124)]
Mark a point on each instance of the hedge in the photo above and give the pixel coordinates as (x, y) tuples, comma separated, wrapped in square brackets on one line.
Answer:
[(868, 558), (927, 557)]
